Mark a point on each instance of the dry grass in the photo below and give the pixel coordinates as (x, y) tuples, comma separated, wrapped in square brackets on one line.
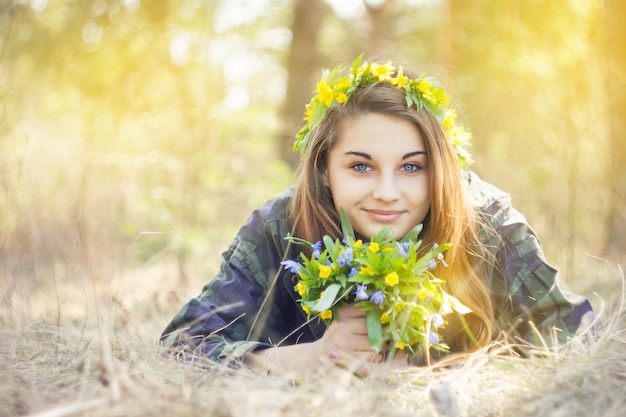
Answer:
[(90, 350)]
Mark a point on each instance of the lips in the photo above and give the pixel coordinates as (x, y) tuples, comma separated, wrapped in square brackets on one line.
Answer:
[(384, 216)]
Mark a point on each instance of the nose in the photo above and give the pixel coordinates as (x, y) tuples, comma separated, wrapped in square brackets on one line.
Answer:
[(386, 188)]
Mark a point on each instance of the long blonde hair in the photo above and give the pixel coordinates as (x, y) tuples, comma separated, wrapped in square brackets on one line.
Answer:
[(451, 217)]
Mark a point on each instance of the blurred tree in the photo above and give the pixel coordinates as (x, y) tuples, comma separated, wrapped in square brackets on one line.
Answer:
[(302, 69), (531, 91), (615, 46), (378, 14)]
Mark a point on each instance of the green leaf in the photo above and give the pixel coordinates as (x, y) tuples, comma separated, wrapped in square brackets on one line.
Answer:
[(413, 234), (346, 227), (457, 305), (330, 245), (328, 299), (374, 330)]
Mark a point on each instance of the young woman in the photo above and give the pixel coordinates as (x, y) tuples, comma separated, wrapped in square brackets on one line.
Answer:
[(385, 149)]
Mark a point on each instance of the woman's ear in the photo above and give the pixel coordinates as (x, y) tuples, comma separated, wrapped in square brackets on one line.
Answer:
[(325, 179)]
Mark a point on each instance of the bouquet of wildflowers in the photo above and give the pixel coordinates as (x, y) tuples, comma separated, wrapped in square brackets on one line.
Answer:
[(391, 280)]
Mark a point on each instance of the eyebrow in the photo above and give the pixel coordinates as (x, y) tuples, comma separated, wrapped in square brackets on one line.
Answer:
[(369, 157)]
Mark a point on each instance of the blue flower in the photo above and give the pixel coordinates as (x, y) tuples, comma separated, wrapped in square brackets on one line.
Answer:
[(433, 338), (345, 257), (437, 321), (432, 264), (439, 255), (360, 292), (440, 259), (291, 266), (317, 250), (353, 272), (377, 298), (404, 248)]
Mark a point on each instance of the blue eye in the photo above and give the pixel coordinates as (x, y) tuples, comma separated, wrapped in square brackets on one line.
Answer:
[(360, 167), (410, 168)]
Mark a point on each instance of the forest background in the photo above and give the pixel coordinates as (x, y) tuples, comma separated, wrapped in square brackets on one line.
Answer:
[(137, 136)]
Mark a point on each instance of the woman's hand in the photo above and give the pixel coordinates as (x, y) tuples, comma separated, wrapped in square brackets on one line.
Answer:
[(345, 344)]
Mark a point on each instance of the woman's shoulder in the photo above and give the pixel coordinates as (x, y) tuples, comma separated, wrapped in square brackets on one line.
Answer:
[(487, 198), (270, 220), (277, 207), (483, 194)]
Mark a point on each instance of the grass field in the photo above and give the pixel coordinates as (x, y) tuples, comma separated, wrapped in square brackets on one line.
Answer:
[(74, 343)]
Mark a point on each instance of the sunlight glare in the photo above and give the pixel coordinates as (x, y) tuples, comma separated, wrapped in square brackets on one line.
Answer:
[(237, 98), (179, 49), (347, 9), (233, 13), (38, 5)]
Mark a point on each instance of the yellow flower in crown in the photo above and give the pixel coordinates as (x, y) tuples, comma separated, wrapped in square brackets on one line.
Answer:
[(383, 72), (400, 80), (449, 120), (307, 114), (425, 87), (324, 93)]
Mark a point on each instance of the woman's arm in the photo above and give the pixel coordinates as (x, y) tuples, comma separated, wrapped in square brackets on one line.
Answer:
[(344, 344)]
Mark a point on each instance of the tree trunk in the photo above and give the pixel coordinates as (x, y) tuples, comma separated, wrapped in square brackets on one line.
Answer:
[(378, 17), (616, 95), (302, 67)]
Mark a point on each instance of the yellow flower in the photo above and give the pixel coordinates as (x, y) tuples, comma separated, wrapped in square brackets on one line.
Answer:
[(448, 120), (344, 83), (326, 314), (401, 80), (384, 318), (358, 243), (308, 113), (383, 72), (306, 309), (325, 93), (422, 294), (392, 279), (400, 345), (324, 271), (342, 98), (387, 250), (301, 288), (367, 270), (374, 247), (425, 87)]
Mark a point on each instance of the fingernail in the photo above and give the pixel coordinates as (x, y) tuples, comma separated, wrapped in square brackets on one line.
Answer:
[(334, 354)]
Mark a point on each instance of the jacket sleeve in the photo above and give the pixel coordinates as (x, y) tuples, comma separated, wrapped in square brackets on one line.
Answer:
[(531, 301), (216, 324), (536, 304)]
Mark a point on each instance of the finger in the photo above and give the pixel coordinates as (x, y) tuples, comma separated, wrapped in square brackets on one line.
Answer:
[(351, 342), (350, 311), (350, 325), (352, 362), (375, 357)]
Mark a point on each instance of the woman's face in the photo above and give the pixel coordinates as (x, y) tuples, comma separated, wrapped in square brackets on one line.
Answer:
[(377, 172)]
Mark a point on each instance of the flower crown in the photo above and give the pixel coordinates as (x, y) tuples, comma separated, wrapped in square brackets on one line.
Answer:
[(423, 93)]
